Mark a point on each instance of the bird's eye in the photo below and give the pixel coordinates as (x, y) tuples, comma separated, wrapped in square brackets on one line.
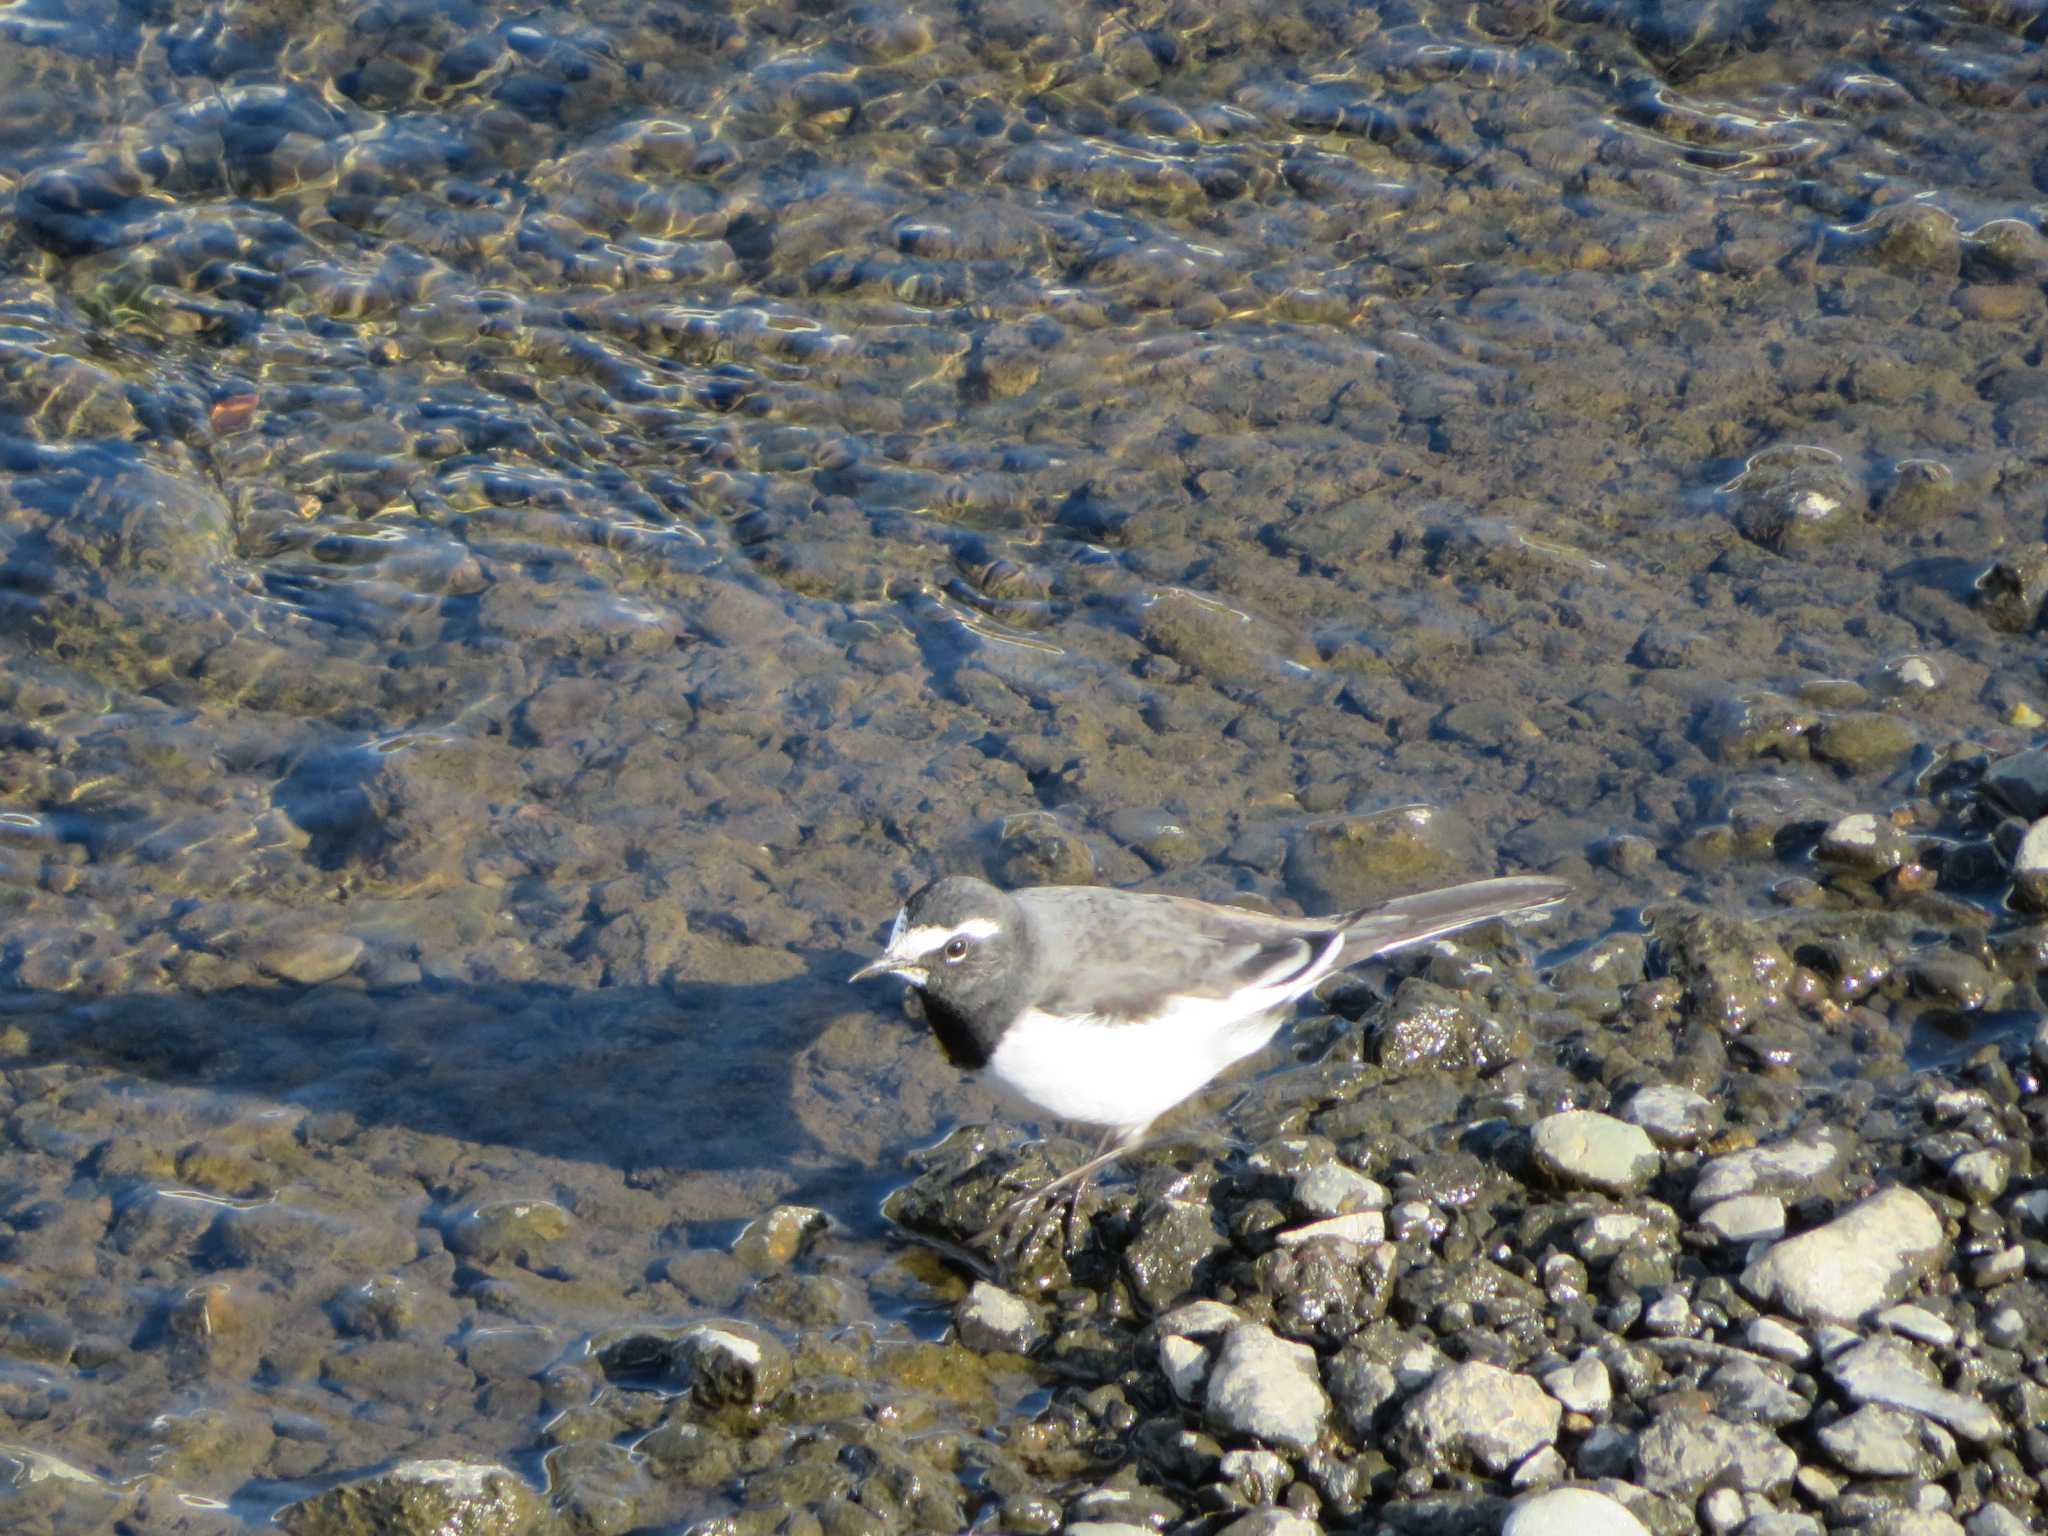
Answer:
[(956, 949)]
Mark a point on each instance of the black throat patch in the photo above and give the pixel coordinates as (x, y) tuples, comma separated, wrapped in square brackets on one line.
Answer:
[(964, 1048)]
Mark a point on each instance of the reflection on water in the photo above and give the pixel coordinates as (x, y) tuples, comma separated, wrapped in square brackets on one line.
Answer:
[(521, 534)]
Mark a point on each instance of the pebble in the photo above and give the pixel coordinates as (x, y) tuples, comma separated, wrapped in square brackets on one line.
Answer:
[(1918, 1323), (1331, 1189), (1184, 1364), (1864, 842), (1888, 1372), (1778, 1340), (1673, 1117), (1583, 1386), (1263, 1522), (1583, 1149), (1995, 1520), (1876, 1441), (990, 1320), (1783, 1168), (1745, 1392), (1860, 1260), (1683, 1453), (1745, 1219), (1267, 1387), (1357, 1227), (772, 1240), (1571, 1512), (2030, 869), (308, 958), (1475, 1414)]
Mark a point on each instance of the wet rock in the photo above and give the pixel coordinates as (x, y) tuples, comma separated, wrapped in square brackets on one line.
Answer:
[(720, 1362), (1745, 1392), (1868, 844), (1362, 1387), (1036, 849), (308, 958), (1876, 1441), (1791, 1169), (1889, 1373), (1428, 1026), (2020, 782), (1185, 1365), (1209, 638), (1673, 1117), (1582, 1149), (1331, 1189), (1793, 503), (1266, 1387), (1177, 1238), (1744, 1219), (1476, 1415), (772, 1240), (1862, 741), (289, 1238), (1682, 1453), (989, 1320), (513, 1230), (1777, 1340), (419, 1498), (2010, 594), (1756, 725), (1980, 1177), (1351, 861), (1359, 1227), (1571, 1512), (1731, 970), (1862, 1259)]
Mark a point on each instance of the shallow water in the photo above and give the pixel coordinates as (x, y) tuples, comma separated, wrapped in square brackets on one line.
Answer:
[(523, 534)]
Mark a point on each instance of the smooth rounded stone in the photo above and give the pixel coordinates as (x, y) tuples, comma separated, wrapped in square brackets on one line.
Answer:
[(1545, 1468), (1672, 1116), (1682, 1453), (1890, 1373), (989, 1320), (720, 1361), (1176, 1239), (2010, 594), (2000, 1268), (308, 958), (1669, 1316), (1584, 1386), (1583, 1149), (1918, 1323), (1745, 1219), (772, 1240), (1270, 1522), (2006, 1328), (508, 1230), (1777, 1340), (2030, 869), (1721, 1510), (1862, 1259), (1361, 1227), (1876, 1441), (1790, 1168), (1036, 849), (1198, 1319), (419, 1498), (1865, 843), (1476, 1415), (1571, 1512), (1267, 1387), (1106, 1528), (1331, 1189), (1862, 741)]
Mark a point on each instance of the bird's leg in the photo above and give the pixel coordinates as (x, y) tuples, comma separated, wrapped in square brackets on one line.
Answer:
[(1113, 1146)]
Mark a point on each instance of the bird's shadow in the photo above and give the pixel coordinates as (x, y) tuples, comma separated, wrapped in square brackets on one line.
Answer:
[(656, 1081)]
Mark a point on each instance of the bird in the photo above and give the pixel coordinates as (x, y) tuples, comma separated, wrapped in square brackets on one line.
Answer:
[(1108, 1007)]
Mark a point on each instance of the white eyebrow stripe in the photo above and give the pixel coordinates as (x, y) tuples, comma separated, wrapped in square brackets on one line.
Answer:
[(926, 937)]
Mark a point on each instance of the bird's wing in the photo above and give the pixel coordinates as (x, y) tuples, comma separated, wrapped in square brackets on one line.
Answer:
[(1429, 914), (1128, 956)]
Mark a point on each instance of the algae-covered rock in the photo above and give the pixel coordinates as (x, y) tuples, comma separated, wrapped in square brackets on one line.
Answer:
[(419, 1498)]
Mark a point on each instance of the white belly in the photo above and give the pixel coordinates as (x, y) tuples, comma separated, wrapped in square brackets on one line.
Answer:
[(1123, 1075)]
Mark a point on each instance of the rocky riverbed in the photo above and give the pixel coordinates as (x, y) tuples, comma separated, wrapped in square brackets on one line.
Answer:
[(525, 532)]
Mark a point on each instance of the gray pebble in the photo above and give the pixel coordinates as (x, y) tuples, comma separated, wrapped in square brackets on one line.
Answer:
[(1583, 1386), (1778, 1340), (1744, 1219), (1876, 1441), (1583, 1149), (1918, 1323), (1682, 1454), (1673, 1116), (1888, 1372), (308, 958), (1783, 1168), (1331, 1189), (1571, 1512)]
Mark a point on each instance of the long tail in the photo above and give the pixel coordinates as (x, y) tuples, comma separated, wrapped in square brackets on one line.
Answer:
[(1428, 914)]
